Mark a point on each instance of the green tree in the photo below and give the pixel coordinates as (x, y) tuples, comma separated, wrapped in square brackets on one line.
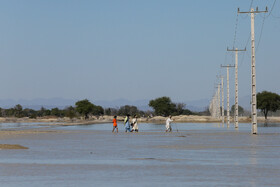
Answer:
[(30, 113), (127, 109), (268, 101), (70, 112), (18, 111), (10, 112), (56, 112), (240, 110), (188, 112), (43, 112), (84, 107), (163, 106), (98, 110)]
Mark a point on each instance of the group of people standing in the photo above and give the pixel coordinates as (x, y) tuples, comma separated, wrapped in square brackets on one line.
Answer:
[(133, 127), (129, 127)]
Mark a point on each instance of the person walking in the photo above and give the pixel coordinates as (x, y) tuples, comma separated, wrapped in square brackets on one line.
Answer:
[(135, 124), (127, 124), (168, 124), (115, 125)]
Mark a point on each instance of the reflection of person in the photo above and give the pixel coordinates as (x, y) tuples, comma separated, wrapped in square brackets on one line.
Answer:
[(126, 123), (135, 124), (168, 124), (115, 125)]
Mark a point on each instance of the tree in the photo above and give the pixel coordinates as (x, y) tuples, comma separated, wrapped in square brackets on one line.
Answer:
[(268, 101), (180, 107), (127, 109), (10, 112), (56, 112), (163, 106), (44, 112), (70, 112), (188, 112), (108, 111), (18, 111), (111, 111), (98, 110), (84, 107), (240, 110), (30, 113)]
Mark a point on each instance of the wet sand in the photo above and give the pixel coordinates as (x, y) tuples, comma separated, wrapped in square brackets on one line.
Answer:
[(215, 157), (11, 146)]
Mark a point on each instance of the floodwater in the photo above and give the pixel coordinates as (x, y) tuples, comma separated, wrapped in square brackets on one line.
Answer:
[(20, 126), (197, 155)]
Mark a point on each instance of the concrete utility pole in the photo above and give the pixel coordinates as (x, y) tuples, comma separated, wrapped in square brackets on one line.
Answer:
[(222, 89), (213, 108), (227, 66), (254, 94), (236, 85), (215, 105), (218, 103)]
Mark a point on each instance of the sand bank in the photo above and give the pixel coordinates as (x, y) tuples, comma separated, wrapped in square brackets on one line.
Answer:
[(11, 146)]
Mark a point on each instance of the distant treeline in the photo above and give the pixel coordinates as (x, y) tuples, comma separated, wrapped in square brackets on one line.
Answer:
[(84, 108)]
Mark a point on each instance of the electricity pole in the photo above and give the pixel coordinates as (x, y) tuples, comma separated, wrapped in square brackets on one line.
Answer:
[(227, 66), (223, 110), (219, 102), (236, 85), (254, 96), (218, 105)]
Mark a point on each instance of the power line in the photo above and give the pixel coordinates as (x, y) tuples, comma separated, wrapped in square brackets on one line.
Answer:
[(260, 34), (251, 5), (271, 8), (243, 54), (271, 13), (244, 16)]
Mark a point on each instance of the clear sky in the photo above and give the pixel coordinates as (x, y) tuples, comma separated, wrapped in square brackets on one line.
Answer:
[(110, 49)]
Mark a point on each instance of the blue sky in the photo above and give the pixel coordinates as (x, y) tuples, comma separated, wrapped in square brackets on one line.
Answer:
[(111, 49)]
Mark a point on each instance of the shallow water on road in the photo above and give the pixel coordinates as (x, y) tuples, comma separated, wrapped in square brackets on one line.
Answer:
[(197, 155)]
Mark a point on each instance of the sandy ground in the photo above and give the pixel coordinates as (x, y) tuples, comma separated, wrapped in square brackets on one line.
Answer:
[(11, 146)]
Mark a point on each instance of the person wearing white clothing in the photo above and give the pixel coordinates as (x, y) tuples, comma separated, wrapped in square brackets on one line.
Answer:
[(135, 124), (168, 124)]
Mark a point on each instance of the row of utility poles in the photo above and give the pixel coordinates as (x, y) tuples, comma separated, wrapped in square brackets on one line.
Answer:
[(215, 106)]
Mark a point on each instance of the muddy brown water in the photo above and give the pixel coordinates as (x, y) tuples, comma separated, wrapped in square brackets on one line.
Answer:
[(196, 155)]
